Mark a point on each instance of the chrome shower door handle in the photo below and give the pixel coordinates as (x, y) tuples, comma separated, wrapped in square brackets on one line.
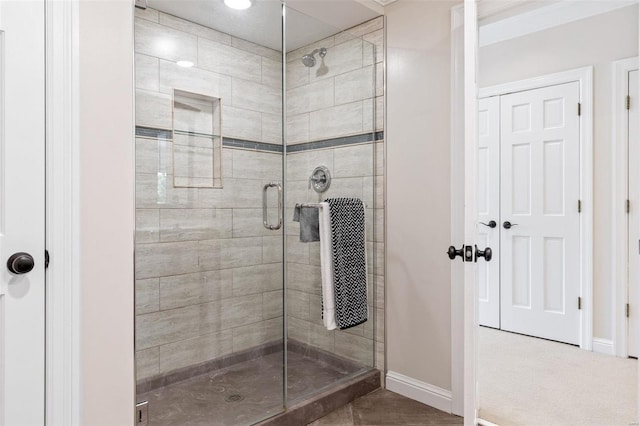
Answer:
[(265, 219), (280, 207)]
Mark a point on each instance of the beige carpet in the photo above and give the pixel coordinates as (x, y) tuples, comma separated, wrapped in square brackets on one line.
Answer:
[(529, 381)]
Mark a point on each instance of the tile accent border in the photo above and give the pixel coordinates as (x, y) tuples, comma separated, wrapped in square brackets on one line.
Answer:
[(154, 133), (335, 142), (253, 145), (151, 132)]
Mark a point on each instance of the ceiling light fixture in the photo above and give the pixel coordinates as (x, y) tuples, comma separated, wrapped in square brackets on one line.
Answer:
[(239, 4), (184, 64)]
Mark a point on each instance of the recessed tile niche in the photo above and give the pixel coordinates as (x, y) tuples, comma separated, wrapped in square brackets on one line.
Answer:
[(197, 140)]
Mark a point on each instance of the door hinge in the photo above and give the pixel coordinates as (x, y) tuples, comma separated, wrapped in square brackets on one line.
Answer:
[(46, 259), (579, 108), (627, 310), (628, 102), (628, 206), (579, 302), (579, 206)]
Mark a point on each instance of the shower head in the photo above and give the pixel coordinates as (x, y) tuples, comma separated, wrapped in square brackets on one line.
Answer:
[(309, 59)]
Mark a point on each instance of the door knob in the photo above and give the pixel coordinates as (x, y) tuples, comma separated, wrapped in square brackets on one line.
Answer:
[(453, 252), (20, 263), (491, 224), (508, 225), (486, 253)]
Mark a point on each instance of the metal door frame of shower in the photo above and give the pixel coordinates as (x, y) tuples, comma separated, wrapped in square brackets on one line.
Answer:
[(283, 195)]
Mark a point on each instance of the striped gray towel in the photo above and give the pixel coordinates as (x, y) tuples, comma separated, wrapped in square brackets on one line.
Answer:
[(349, 261)]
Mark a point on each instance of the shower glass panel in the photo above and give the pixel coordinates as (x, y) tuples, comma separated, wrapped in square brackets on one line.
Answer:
[(209, 161), (330, 126), (229, 322)]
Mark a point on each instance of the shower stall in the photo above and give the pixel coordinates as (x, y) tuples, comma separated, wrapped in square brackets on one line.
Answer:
[(240, 116)]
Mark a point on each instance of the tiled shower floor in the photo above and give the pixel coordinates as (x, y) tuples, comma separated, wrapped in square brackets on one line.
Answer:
[(241, 394)]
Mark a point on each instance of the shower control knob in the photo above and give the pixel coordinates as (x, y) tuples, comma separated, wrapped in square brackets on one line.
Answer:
[(20, 263)]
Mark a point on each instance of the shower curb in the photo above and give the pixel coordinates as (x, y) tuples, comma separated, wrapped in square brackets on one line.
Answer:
[(310, 410)]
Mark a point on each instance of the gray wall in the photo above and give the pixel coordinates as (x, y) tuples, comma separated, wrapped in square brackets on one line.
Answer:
[(418, 190), (103, 388)]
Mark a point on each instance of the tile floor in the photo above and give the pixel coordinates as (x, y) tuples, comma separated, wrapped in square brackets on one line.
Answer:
[(383, 407), (210, 399)]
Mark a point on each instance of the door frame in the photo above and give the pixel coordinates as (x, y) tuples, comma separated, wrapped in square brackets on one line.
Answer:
[(584, 77), (464, 304), (458, 371), (470, 150), (63, 397), (464, 311), (620, 191), (464, 368)]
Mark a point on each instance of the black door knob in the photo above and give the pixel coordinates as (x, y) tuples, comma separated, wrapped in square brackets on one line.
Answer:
[(508, 225), (453, 252), (20, 263), (486, 253), (491, 224)]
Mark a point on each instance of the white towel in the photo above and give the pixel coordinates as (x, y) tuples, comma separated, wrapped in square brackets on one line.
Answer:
[(326, 269)]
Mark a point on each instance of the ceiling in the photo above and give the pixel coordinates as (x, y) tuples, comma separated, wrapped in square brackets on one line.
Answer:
[(307, 21), (526, 17), (496, 10)]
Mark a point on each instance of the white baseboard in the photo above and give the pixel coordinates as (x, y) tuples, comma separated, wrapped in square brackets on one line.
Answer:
[(481, 422), (603, 346), (419, 391)]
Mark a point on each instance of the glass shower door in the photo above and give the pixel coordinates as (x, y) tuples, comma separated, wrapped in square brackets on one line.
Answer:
[(334, 130), (209, 233)]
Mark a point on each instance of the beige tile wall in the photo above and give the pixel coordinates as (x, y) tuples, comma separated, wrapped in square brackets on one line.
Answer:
[(208, 274), (341, 96)]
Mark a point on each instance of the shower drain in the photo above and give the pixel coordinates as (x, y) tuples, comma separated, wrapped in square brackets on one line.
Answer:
[(234, 398)]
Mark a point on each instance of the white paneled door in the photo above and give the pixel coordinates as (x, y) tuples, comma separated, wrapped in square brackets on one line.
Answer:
[(489, 210), (540, 225), (22, 204), (634, 214), (528, 186)]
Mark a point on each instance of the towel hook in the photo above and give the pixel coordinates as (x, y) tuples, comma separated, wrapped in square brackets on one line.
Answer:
[(320, 179)]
